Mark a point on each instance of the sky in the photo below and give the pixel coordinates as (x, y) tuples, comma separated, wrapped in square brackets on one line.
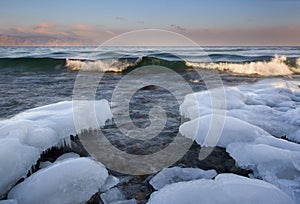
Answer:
[(211, 22)]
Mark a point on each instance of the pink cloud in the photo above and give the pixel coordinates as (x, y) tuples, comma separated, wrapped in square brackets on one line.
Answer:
[(280, 35), (81, 27)]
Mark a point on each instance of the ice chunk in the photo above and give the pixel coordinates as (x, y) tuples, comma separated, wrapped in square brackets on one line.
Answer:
[(16, 160), (68, 181), (131, 201), (268, 108), (10, 201), (177, 174), (41, 128), (60, 116), (278, 166), (45, 164), (67, 156), (29, 133), (258, 104), (234, 130), (112, 195), (110, 182), (200, 103), (227, 188)]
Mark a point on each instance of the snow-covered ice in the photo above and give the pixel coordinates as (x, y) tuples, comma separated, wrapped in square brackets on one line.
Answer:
[(177, 174), (273, 105), (68, 181), (225, 188), (254, 115), (233, 130), (25, 136)]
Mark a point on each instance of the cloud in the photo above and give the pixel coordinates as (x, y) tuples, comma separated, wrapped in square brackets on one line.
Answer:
[(177, 27), (81, 27), (277, 35), (39, 29), (119, 18)]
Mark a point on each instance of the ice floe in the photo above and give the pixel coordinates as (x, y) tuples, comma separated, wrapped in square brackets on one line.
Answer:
[(254, 115), (278, 166), (15, 160), (273, 105), (177, 174), (68, 181), (25, 136), (225, 188)]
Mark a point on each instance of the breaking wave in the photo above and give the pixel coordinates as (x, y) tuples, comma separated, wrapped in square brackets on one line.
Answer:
[(277, 66), (113, 65), (261, 65)]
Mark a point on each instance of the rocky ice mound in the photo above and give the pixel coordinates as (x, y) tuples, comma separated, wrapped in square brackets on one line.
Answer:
[(254, 114), (68, 181), (25, 136), (225, 188), (176, 174)]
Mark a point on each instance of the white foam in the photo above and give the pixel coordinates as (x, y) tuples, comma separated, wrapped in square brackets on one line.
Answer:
[(275, 67), (108, 65)]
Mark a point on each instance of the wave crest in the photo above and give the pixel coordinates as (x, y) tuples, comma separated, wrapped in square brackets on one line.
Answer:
[(112, 65), (275, 67)]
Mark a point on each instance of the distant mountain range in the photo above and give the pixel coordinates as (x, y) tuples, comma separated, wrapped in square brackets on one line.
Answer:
[(11, 40)]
